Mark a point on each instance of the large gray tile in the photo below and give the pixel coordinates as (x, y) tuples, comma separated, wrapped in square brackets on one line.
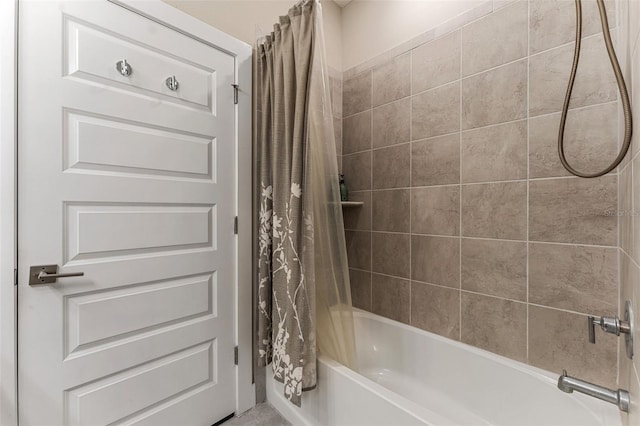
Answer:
[(359, 249), (496, 268), (436, 112), (390, 254), (436, 309), (391, 297), (391, 167), (549, 74), (360, 288), (390, 211), (436, 63), (356, 94), (496, 325), (436, 161), (590, 141), (357, 171), (392, 80), (576, 278), (392, 123), (358, 218), (435, 210), (435, 260), (559, 340), (573, 210), (552, 22), (496, 39), (495, 210), (356, 133), (495, 96), (495, 153)]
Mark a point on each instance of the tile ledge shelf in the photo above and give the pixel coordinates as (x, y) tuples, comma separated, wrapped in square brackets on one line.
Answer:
[(352, 203)]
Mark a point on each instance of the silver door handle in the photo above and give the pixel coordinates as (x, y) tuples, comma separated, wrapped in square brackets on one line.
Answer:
[(48, 274)]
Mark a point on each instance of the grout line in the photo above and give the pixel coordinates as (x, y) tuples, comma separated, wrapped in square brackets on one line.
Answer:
[(571, 311), (478, 183), (546, 114), (571, 43), (383, 274), (411, 321), (528, 180), (371, 186), (576, 108), (460, 169), (464, 237)]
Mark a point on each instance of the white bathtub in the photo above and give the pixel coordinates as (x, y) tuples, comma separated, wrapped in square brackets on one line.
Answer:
[(412, 377)]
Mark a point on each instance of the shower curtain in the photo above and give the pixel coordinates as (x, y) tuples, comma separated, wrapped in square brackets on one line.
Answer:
[(304, 298)]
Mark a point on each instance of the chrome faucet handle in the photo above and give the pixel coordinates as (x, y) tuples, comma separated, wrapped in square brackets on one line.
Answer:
[(611, 325), (591, 325), (615, 325)]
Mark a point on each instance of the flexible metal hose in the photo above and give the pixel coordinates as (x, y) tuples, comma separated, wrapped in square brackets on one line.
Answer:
[(628, 124)]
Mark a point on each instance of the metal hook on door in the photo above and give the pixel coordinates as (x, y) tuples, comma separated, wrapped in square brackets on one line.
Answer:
[(172, 83), (124, 68)]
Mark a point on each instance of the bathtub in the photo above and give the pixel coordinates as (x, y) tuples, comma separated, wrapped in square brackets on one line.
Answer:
[(412, 377)]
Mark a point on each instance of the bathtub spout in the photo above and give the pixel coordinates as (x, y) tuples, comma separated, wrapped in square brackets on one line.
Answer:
[(618, 397)]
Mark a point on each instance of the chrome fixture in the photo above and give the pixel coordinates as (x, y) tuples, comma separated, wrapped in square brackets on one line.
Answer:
[(48, 274), (618, 397), (615, 326), (124, 68), (172, 83)]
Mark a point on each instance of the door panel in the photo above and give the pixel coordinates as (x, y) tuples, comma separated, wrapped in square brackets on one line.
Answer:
[(101, 145), (134, 185)]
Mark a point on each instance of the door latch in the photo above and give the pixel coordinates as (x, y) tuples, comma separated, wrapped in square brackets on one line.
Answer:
[(48, 274)]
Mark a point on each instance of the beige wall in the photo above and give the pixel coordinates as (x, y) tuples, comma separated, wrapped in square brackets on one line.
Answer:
[(371, 27), (470, 226), (629, 202), (246, 19)]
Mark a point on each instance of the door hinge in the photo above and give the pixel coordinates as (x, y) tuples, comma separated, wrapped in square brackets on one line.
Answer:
[(235, 225), (236, 88), (15, 277), (235, 355)]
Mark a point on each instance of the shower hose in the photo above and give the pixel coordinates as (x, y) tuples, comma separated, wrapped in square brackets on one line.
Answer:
[(628, 125)]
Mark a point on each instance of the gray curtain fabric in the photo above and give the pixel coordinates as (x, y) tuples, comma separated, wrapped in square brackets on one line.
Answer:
[(286, 291)]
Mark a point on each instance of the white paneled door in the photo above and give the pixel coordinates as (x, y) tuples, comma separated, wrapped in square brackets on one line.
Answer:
[(129, 178)]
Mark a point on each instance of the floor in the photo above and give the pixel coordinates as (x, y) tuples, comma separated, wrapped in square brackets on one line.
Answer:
[(261, 415)]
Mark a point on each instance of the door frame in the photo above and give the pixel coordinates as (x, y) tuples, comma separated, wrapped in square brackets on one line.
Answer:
[(177, 20)]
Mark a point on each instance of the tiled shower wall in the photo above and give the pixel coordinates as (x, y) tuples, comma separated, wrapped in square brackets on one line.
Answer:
[(629, 202), (470, 226)]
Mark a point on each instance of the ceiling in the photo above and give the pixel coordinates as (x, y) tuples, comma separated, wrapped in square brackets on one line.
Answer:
[(342, 3)]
